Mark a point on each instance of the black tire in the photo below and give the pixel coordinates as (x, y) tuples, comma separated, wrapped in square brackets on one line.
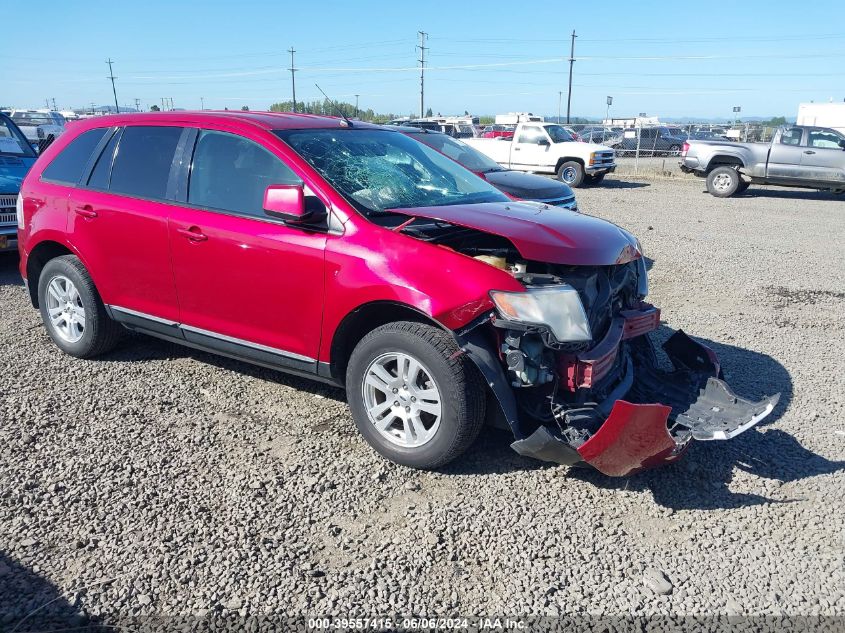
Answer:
[(674, 149), (99, 334), (572, 173), (594, 180), (723, 182), (461, 390)]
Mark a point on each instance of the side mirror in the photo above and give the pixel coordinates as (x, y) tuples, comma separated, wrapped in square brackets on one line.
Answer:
[(285, 202), (543, 141), (289, 203)]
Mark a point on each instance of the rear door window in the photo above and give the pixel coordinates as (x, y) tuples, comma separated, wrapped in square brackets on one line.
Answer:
[(231, 173), (67, 167), (142, 164)]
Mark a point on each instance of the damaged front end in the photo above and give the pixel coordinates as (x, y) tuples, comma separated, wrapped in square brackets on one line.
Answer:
[(607, 399)]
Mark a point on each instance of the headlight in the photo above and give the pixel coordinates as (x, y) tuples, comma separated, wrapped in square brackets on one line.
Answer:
[(558, 308)]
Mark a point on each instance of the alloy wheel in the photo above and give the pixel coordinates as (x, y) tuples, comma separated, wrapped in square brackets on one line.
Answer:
[(402, 400), (65, 309)]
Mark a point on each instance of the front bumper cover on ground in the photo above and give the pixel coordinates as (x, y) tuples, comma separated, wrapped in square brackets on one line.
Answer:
[(651, 423)]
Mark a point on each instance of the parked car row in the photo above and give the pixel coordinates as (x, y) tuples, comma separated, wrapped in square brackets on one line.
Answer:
[(357, 255), (16, 158)]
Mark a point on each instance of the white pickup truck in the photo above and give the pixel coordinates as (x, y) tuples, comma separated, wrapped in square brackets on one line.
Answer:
[(548, 148)]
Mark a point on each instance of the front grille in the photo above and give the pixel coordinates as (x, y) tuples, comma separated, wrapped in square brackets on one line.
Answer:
[(7, 210), (604, 158)]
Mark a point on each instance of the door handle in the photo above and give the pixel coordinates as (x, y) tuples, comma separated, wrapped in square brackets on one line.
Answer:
[(193, 233), (809, 151), (516, 149), (86, 211)]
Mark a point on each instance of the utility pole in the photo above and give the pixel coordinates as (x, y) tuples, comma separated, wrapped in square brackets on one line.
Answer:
[(607, 112), (114, 92), (292, 69), (571, 63), (356, 105), (54, 104), (202, 103), (92, 108), (137, 105), (47, 103), (559, 100), (423, 48)]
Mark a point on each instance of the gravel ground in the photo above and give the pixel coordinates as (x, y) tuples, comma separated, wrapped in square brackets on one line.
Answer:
[(160, 480)]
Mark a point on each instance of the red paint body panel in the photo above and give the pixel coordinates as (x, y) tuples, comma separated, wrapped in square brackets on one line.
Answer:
[(542, 233), (126, 249), (253, 280), (633, 438)]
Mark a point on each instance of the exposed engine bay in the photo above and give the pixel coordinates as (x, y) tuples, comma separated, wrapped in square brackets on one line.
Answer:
[(600, 397)]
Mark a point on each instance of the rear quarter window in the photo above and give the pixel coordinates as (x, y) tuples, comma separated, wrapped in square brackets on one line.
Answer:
[(68, 165)]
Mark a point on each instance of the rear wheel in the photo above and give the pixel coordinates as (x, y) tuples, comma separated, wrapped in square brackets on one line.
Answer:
[(572, 173), (414, 397), (723, 182), (72, 310)]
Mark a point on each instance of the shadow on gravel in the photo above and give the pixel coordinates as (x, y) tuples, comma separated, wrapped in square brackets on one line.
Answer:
[(701, 479), (791, 194), (139, 347), (613, 183), (36, 604), (9, 275)]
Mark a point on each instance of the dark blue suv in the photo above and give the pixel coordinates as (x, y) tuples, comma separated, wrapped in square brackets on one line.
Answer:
[(16, 157)]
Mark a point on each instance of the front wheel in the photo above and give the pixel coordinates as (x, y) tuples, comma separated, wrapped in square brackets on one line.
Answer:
[(723, 182), (414, 397), (572, 173)]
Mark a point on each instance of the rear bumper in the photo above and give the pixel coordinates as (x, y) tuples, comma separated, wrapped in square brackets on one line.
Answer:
[(648, 419)]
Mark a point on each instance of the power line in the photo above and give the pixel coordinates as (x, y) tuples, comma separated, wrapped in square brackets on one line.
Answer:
[(422, 48), (114, 91), (292, 69), (571, 64)]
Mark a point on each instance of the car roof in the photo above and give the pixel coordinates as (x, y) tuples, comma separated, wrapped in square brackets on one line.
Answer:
[(265, 120)]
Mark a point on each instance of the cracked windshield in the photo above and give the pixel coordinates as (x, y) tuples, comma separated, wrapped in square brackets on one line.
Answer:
[(379, 170)]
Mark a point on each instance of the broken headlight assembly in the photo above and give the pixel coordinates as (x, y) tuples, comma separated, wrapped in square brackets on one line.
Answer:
[(558, 308)]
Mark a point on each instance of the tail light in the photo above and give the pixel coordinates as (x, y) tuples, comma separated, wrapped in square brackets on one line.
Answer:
[(19, 211), (684, 149)]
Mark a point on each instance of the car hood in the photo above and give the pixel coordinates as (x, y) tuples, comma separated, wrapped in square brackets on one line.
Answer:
[(542, 233), (12, 172), (528, 186), (595, 147)]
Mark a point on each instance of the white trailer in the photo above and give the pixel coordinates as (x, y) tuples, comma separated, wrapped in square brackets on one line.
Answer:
[(822, 115)]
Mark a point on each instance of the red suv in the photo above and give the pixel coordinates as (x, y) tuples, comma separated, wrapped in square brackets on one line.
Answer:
[(355, 255)]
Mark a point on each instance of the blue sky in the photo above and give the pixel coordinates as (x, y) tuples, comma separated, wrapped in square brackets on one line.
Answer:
[(667, 59)]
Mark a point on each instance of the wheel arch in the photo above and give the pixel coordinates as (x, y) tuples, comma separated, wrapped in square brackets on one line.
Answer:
[(364, 319), (566, 159), (724, 160), (37, 258)]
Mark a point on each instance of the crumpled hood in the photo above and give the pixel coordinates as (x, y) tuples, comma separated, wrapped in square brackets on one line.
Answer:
[(542, 233), (528, 186)]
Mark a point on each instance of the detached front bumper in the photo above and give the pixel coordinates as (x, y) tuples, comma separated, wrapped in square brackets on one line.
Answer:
[(649, 417)]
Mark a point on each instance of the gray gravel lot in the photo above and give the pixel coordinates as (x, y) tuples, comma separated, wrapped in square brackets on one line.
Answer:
[(160, 480)]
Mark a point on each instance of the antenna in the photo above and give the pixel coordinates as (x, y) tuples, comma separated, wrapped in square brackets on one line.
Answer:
[(335, 106)]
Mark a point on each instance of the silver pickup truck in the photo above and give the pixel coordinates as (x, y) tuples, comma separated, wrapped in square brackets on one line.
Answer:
[(798, 156)]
